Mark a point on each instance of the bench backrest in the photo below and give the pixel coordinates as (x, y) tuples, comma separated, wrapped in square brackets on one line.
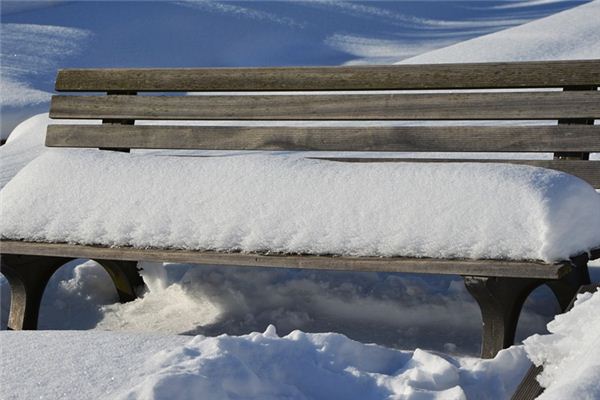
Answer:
[(562, 93)]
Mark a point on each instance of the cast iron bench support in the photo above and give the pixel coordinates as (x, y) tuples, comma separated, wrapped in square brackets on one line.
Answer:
[(501, 299), (28, 276)]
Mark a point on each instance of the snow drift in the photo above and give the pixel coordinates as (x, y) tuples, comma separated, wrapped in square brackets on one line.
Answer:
[(572, 34), (570, 355), (254, 366), (257, 203)]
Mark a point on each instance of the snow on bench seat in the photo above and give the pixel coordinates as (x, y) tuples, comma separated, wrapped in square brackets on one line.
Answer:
[(290, 204)]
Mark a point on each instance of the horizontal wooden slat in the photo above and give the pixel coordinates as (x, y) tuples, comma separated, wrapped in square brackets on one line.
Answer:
[(384, 77), (373, 264), (589, 171), (439, 106), (582, 138)]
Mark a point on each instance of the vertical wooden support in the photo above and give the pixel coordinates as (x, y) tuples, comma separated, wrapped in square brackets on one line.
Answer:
[(500, 300), (569, 155), (565, 289), (118, 121)]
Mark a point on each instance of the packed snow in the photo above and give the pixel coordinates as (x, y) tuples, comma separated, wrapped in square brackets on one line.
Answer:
[(255, 366), (257, 203), (570, 354)]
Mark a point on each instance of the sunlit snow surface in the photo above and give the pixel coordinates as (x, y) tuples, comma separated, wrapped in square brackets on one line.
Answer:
[(254, 366), (570, 354), (294, 205), (573, 34), (296, 366)]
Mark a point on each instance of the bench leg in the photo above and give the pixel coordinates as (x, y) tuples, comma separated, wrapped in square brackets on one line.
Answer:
[(565, 288), (126, 278), (28, 277), (500, 300)]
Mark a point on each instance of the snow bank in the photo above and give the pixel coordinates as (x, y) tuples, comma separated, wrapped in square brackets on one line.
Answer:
[(568, 35), (570, 355), (254, 366), (256, 203)]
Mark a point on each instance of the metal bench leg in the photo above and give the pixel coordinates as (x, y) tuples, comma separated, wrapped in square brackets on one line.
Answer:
[(28, 277), (566, 287), (500, 300), (126, 278)]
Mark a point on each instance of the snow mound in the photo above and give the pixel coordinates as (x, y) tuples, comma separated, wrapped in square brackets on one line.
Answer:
[(26, 142), (255, 366), (568, 35), (287, 204), (570, 355), (325, 366)]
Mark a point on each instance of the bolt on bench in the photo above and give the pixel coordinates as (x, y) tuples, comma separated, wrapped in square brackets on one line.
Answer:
[(500, 286)]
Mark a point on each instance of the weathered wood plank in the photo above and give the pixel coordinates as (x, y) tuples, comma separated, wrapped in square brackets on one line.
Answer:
[(373, 264), (384, 77), (589, 171), (403, 138), (438, 106)]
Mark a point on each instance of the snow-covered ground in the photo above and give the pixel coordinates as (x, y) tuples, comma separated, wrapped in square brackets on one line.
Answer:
[(296, 366), (257, 366), (571, 353), (398, 311)]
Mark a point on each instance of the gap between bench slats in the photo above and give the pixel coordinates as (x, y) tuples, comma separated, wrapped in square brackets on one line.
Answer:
[(437, 106), (384, 77), (374, 264), (414, 138)]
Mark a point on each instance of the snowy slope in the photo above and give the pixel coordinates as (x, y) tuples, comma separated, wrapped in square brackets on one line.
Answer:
[(568, 35)]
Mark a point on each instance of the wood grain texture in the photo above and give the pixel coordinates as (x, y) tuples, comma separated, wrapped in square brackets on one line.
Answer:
[(382, 77), (371, 264), (404, 138), (438, 106), (589, 171)]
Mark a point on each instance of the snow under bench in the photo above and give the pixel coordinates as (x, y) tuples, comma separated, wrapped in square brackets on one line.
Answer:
[(507, 226)]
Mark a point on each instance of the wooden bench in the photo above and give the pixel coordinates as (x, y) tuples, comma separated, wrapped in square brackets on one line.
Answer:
[(499, 286)]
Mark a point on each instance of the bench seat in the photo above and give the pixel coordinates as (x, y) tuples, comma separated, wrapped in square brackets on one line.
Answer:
[(291, 205)]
